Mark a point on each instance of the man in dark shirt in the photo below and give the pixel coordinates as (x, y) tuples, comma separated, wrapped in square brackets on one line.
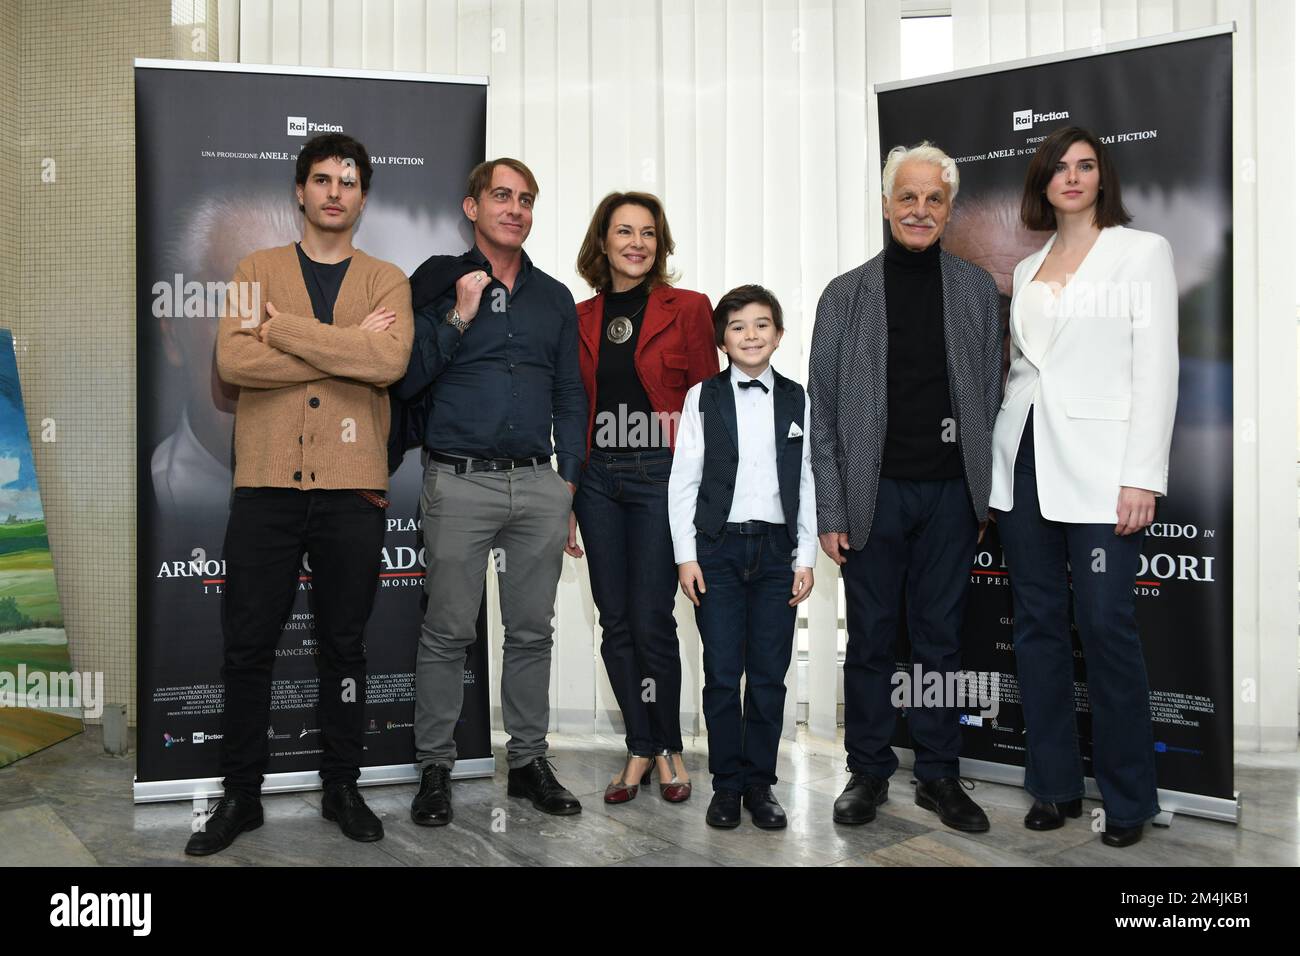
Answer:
[(499, 351), (905, 379)]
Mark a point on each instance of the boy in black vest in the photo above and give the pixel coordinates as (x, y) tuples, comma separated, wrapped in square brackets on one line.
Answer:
[(740, 503)]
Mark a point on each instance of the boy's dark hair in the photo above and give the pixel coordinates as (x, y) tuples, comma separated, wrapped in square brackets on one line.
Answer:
[(338, 146), (737, 299), (1037, 213)]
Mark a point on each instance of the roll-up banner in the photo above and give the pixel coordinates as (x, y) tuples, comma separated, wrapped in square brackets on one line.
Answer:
[(216, 146), (1163, 107)]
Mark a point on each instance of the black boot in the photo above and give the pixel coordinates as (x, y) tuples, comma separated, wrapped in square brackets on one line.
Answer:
[(432, 805), (947, 798), (235, 813), (766, 813), (724, 810), (344, 804), (1044, 815), (857, 804), (536, 781)]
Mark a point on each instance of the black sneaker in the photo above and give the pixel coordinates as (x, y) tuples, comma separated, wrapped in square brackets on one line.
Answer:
[(536, 781), (947, 797), (343, 804), (432, 805), (235, 813)]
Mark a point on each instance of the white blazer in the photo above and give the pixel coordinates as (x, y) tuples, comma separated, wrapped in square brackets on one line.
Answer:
[(1104, 386)]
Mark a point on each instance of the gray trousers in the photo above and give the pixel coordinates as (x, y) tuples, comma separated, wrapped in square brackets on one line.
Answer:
[(519, 519)]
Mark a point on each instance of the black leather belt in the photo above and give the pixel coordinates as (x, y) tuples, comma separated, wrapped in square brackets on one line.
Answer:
[(751, 527), (464, 464)]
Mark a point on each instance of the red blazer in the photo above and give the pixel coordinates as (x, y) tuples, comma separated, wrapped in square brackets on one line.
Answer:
[(675, 349)]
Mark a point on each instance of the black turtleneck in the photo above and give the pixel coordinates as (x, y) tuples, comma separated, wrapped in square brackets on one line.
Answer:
[(920, 408), (622, 405)]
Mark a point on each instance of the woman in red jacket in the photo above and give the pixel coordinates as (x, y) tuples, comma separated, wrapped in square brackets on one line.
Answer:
[(642, 345)]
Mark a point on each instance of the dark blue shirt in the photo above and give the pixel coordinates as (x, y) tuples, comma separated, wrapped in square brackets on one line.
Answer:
[(501, 386)]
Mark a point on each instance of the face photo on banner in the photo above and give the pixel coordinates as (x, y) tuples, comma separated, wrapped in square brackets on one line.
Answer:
[(191, 466)]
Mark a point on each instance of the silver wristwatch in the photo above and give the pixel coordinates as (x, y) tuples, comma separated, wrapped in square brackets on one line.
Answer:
[(455, 321)]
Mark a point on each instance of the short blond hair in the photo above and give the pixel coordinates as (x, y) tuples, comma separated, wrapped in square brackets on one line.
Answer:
[(925, 152)]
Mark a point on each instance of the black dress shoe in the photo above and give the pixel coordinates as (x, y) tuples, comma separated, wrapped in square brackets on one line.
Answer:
[(432, 805), (724, 810), (235, 813), (857, 804), (344, 804), (1121, 836), (1044, 815), (763, 808), (537, 783), (947, 797)]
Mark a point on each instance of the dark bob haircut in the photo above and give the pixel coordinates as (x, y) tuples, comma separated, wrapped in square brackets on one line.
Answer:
[(1038, 214), (333, 146), (737, 299)]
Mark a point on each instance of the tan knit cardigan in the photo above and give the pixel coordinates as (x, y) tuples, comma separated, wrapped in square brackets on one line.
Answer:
[(313, 399)]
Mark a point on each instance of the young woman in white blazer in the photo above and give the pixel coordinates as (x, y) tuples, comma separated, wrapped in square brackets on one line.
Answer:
[(1080, 454)]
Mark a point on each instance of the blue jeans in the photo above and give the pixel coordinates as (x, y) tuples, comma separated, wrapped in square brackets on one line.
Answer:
[(1102, 569), (622, 509), (747, 627), (922, 540)]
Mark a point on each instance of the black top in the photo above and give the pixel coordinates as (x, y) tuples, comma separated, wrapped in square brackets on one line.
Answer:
[(921, 438), (624, 415), (500, 388), (323, 280)]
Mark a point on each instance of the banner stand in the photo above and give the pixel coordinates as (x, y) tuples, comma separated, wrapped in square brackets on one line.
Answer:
[(990, 120), (216, 151), (161, 791), (1171, 801)]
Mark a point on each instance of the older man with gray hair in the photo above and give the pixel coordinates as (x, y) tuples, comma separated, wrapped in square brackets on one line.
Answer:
[(905, 380)]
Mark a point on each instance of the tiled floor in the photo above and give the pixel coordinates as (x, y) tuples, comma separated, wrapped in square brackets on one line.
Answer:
[(70, 805)]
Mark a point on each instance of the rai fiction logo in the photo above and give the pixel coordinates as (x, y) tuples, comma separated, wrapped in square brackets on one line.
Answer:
[(299, 126), (1025, 119)]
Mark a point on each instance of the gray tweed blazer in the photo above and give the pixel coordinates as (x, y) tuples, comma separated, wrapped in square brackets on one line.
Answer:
[(847, 376)]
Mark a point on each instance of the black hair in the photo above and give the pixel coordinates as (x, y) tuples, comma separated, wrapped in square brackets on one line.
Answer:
[(737, 299), (338, 146)]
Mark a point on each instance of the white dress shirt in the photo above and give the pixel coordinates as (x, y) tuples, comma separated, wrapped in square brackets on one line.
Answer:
[(757, 495)]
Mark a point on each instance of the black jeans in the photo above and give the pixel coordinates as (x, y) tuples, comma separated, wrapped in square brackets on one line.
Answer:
[(622, 508), (268, 531), (921, 542)]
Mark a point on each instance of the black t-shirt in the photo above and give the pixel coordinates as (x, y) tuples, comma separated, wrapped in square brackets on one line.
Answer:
[(323, 280), (624, 419), (921, 435)]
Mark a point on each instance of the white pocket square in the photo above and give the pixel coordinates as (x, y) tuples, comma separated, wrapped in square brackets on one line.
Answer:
[(795, 431)]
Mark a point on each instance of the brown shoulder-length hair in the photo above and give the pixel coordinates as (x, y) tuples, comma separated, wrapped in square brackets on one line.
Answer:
[(1038, 214), (593, 264)]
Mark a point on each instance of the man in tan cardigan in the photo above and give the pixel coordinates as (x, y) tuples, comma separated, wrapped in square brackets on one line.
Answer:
[(313, 334)]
